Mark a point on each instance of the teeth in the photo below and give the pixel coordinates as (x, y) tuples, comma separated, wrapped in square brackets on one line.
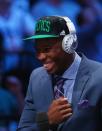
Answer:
[(45, 65)]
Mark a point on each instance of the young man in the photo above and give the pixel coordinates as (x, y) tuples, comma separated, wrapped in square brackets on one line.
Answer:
[(66, 93)]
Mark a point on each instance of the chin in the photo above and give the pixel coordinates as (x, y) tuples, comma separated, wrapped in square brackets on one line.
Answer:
[(54, 71), (58, 72), (51, 72)]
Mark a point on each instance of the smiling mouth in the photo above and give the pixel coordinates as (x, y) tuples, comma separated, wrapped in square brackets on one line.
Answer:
[(49, 65)]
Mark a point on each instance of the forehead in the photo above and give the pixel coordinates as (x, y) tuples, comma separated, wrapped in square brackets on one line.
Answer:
[(46, 42)]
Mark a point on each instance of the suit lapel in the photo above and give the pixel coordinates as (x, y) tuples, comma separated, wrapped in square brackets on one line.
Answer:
[(81, 79), (46, 91), (49, 89)]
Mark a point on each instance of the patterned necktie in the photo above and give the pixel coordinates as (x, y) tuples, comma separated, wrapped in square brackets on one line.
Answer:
[(58, 90)]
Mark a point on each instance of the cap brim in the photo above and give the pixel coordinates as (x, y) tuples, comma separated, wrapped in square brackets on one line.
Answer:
[(41, 36)]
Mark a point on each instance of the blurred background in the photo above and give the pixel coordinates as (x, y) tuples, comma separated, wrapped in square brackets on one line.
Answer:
[(17, 57)]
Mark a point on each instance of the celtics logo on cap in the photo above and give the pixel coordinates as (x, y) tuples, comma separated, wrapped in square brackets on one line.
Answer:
[(43, 25)]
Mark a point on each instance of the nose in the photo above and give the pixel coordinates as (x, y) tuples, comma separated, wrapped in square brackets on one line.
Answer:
[(41, 56)]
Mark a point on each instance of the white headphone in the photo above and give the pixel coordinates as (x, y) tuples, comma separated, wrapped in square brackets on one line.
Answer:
[(69, 42)]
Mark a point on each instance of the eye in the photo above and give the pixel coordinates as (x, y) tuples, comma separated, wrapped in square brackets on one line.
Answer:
[(42, 50), (46, 49)]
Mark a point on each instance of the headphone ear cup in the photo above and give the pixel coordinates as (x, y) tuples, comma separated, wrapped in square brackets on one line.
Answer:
[(67, 43)]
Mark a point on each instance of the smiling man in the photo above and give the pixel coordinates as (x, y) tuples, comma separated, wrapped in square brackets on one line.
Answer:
[(64, 94), (50, 53)]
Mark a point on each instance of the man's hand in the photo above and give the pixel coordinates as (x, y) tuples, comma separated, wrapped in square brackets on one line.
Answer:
[(59, 111)]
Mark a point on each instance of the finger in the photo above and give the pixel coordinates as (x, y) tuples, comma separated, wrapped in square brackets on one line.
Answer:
[(67, 115), (62, 101), (64, 106), (66, 111)]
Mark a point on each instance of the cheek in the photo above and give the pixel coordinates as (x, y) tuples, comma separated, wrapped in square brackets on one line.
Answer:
[(56, 53), (58, 58), (54, 56)]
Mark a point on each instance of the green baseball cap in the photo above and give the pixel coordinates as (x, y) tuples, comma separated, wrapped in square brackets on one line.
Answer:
[(51, 27)]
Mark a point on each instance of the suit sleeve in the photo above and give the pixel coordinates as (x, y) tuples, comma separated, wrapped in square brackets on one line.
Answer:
[(28, 117)]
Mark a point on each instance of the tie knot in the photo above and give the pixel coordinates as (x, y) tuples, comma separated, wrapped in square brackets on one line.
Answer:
[(58, 80)]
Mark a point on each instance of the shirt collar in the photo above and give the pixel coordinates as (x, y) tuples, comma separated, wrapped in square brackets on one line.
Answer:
[(71, 72)]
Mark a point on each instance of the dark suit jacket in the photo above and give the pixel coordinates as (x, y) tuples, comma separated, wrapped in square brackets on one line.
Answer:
[(86, 99)]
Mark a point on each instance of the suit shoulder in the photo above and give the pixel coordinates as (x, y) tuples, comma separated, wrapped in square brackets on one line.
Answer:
[(39, 72), (94, 65)]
